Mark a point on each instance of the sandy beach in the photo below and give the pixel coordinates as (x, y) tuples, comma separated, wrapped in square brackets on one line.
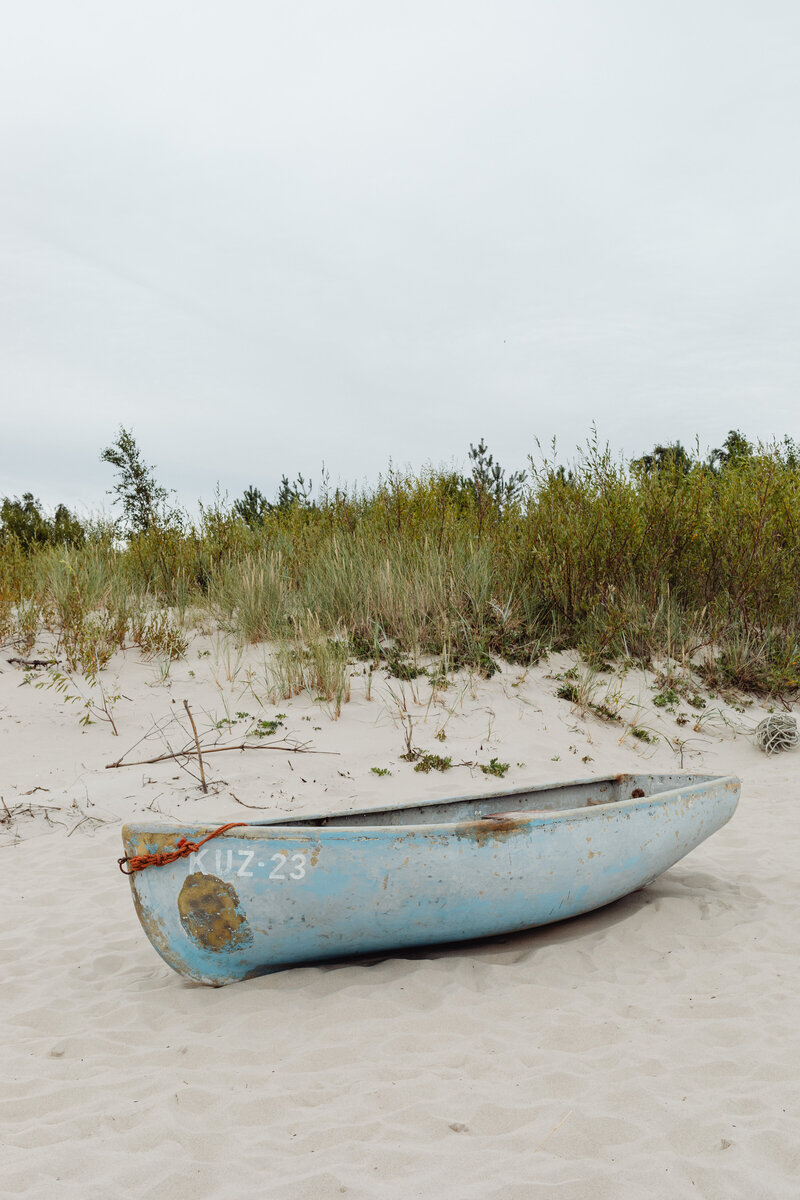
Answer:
[(649, 1048), (399, 407)]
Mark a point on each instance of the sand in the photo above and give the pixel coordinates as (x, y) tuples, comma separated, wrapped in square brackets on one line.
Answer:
[(651, 1048)]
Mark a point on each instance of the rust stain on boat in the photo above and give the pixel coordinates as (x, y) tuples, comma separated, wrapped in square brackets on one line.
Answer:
[(153, 843), (492, 829), (210, 913)]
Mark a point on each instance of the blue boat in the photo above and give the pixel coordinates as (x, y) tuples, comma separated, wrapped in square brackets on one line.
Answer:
[(229, 904)]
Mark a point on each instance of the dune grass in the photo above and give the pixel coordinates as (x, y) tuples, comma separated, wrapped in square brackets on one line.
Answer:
[(682, 561)]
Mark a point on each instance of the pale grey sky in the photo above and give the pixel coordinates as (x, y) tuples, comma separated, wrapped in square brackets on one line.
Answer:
[(271, 234)]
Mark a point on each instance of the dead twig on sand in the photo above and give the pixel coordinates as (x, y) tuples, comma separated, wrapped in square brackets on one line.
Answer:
[(555, 1129), (257, 807), (185, 753), (95, 822), (203, 783), (10, 816), (283, 746), (25, 810)]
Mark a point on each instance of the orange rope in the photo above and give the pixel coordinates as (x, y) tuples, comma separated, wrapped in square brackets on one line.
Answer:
[(138, 862)]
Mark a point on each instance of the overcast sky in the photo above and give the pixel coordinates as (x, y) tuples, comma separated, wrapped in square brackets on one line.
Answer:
[(267, 235)]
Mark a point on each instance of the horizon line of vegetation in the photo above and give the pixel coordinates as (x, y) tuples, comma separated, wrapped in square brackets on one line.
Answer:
[(668, 555)]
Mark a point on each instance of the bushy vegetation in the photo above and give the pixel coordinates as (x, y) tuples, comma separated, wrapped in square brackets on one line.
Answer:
[(670, 555), (24, 525)]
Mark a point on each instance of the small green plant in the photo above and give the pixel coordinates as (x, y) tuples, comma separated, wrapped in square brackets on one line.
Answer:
[(156, 636), (398, 667), (97, 705), (380, 771), (260, 728), (439, 681), (87, 647), (643, 735), (494, 767), (696, 701), (485, 665), (440, 735), (668, 699), (582, 695), (432, 762), (366, 649), (27, 625), (264, 728)]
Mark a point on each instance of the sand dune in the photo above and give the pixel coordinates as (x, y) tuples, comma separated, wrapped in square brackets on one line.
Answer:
[(649, 1048)]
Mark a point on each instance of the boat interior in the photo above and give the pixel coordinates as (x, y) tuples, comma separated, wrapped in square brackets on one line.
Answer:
[(557, 798)]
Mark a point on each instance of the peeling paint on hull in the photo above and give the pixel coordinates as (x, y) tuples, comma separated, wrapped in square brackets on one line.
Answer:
[(211, 914), (273, 895)]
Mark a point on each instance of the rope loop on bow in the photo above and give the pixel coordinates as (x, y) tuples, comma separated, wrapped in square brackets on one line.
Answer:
[(129, 865)]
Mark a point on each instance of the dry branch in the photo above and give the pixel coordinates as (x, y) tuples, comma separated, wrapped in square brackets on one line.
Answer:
[(258, 807), (9, 816), (282, 747), (203, 783)]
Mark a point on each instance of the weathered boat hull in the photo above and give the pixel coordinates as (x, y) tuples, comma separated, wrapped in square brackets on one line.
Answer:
[(272, 895)]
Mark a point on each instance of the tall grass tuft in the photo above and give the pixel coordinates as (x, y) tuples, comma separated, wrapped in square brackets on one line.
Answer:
[(249, 595), (311, 661)]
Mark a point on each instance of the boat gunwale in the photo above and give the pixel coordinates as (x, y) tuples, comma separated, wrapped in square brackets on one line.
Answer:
[(304, 829)]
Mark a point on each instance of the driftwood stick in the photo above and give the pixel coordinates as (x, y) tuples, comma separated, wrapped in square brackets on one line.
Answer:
[(555, 1129), (259, 807), (203, 783), (301, 748)]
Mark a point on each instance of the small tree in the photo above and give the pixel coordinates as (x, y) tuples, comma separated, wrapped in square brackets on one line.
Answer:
[(24, 522), (673, 457), (734, 449), (253, 507), (790, 453), (294, 495), (489, 478), (136, 490)]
